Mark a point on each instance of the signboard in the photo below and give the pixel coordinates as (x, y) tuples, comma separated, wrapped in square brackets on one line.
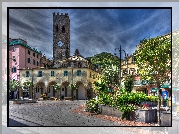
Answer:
[(153, 89), (166, 86), (165, 94)]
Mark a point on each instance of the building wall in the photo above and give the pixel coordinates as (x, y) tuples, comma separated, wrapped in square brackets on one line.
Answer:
[(46, 80), (24, 57), (61, 37), (14, 61), (18, 58)]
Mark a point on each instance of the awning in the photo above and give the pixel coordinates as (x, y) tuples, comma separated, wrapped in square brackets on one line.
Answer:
[(153, 89), (166, 86)]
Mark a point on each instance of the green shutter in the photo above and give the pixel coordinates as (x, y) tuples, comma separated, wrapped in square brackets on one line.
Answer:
[(52, 73), (78, 72)]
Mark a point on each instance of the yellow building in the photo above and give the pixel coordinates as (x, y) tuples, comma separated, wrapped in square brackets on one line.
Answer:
[(74, 70), (128, 66)]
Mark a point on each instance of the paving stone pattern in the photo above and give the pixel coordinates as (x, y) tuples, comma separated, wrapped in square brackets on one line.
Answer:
[(52, 113), (77, 130)]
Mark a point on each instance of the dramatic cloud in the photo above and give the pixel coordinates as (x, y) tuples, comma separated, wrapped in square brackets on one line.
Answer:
[(92, 31)]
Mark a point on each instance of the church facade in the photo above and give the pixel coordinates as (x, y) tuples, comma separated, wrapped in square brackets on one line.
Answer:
[(66, 70)]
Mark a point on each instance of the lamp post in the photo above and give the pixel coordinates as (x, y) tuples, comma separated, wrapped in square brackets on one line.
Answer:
[(120, 52), (32, 95)]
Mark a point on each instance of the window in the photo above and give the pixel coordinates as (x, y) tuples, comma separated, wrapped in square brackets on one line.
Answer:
[(37, 63), (49, 89), (28, 60), (34, 54), (63, 29), (78, 72), (94, 76), (65, 73), (27, 74), (14, 69), (36, 89), (40, 74), (13, 58), (57, 28), (90, 74), (34, 62), (133, 58), (62, 89), (13, 49), (52, 73), (29, 52), (37, 56)]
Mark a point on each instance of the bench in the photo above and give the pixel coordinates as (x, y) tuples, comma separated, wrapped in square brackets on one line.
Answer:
[(40, 99), (53, 98), (68, 98)]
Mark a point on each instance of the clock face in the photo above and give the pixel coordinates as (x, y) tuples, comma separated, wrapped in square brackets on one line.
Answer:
[(60, 43)]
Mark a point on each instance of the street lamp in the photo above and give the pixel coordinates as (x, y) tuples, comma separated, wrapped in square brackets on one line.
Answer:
[(33, 90), (120, 52)]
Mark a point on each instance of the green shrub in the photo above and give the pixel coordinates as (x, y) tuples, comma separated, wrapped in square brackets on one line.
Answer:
[(92, 106)]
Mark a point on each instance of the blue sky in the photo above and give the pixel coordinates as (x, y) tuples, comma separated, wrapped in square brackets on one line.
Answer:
[(92, 31)]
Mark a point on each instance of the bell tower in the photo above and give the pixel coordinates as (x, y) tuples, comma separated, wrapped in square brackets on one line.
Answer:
[(61, 37)]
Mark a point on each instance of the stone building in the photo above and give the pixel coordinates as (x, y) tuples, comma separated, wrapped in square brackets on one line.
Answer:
[(66, 69), (74, 70), (44, 79), (61, 37)]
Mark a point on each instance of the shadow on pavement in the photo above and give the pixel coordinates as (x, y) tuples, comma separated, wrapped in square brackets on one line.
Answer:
[(13, 123)]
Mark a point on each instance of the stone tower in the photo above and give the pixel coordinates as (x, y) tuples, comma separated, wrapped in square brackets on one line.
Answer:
[(61, 37)]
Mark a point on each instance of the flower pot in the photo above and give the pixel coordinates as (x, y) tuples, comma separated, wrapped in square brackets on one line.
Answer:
[(110, 111), (146, 116)]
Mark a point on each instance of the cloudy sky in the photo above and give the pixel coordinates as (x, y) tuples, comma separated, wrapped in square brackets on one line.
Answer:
[(92, 31)]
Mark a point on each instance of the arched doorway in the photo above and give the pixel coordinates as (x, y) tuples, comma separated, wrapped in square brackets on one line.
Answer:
[(81, 91), (65, 91), (89, 91), (50, 89), (39, 89)]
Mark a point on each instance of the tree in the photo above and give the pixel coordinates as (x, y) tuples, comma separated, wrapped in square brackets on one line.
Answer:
[(14, 85), (128, 83), (57, 88), (153, 57), (73, 87), (28, 85), (104, 60)]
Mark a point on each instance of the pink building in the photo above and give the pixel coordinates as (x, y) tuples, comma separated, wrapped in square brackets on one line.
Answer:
[(22, 56)]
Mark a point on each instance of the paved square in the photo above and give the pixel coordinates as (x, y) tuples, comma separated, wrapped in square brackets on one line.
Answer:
[(52, 113)]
